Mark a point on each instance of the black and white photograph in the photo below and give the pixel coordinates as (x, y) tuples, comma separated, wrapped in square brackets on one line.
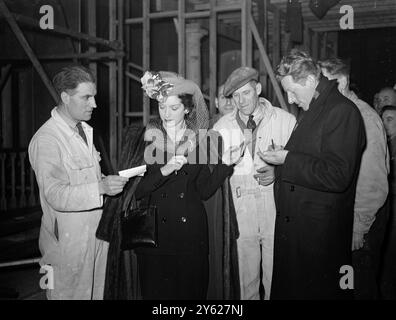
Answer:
[(198, 154)]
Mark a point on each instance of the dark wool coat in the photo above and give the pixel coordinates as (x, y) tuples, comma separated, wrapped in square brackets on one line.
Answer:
[(314, 194), (122, 280)]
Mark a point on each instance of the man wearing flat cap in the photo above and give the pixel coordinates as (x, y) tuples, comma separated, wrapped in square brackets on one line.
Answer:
[(257, 125)]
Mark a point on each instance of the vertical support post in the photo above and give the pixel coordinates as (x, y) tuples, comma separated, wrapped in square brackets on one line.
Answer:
[(267, 63), (13, 184), (32, 188), (212, 57), (22, 198), (276, 39), (127, 55), (146, 56), (92, 31), (120, 80), (323, 46), (246, 36), (263, 29), (182, 38), (3, 199), (113, 87), (315, 45)]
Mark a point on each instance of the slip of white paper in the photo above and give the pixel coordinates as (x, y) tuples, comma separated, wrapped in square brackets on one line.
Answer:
[(133, 172)]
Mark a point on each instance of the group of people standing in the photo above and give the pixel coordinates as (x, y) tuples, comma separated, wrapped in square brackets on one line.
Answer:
[(300, 200)]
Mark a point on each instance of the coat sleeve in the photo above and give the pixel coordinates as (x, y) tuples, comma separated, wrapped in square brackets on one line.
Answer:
[(342, 142), (208, 182), (152, 180), (372, 184), (45, 157)]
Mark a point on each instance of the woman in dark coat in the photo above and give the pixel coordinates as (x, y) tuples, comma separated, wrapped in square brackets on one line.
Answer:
[(178, 267)]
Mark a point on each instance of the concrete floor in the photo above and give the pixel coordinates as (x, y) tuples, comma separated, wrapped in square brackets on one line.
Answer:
[(21, 283)]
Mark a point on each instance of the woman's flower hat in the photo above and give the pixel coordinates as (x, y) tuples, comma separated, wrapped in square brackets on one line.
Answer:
[(154, 86)]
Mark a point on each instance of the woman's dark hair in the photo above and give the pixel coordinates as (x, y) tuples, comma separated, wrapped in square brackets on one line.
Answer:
[(187, 101)]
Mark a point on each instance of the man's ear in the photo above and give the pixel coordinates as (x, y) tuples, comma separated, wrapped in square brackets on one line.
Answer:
[(258, 88), (310, 81), (65, 98), (343, 83)]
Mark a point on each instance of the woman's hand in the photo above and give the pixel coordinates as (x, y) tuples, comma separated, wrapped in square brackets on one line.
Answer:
[(234, 154), (174, 164)]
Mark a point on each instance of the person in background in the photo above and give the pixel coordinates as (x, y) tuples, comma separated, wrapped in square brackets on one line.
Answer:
[(385, 97), (258, 125), (388, 279), (316, 175), (371, 206), (223, 105), (71, 186)]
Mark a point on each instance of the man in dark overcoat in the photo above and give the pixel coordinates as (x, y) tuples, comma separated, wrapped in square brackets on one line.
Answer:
[(315, 186)]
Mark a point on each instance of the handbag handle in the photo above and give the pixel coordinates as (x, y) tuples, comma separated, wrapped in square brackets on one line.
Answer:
[(133, 200)]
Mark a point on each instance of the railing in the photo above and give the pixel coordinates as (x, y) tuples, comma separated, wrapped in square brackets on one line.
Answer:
[(17, 181)]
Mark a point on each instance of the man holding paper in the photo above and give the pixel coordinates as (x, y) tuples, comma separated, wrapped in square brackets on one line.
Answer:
[(68, 174), (258, 125)]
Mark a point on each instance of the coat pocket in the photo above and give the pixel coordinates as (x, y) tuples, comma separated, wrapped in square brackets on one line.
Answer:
[(80, 169)]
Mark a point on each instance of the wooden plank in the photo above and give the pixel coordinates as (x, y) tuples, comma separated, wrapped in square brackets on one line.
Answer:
[(113, 87), (91, 10), (181, 38), (315, 45), (120, 77), (263, 29), (212, 58), (146, 57), (69, 56), (127, 48), (25, 45), (66, 32), (276, 40), (268, 65)]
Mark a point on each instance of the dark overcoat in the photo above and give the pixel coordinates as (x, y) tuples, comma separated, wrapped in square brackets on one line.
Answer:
[(314, 193)]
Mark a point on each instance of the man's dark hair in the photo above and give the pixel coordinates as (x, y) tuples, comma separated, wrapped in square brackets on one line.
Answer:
[(387, 108), (299, 65), (335, 66), (70, 77)]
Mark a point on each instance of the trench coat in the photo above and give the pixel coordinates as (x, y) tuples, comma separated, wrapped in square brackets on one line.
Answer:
[(314, 195), (68, 174)]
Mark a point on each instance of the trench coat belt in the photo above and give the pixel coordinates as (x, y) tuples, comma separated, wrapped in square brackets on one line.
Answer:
[(240, 191)]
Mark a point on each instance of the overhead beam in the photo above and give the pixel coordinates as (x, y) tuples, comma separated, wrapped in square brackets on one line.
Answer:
[(26, 21), (25, 45)]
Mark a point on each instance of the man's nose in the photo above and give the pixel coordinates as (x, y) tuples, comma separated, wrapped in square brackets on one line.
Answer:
[(92, 103)]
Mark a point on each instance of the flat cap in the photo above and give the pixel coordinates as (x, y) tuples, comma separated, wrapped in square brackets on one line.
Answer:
[(238, 78)]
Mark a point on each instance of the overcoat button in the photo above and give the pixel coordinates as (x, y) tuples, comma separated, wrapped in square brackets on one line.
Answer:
[(287, 218), (183, 219), (181, 195), (163, 220)]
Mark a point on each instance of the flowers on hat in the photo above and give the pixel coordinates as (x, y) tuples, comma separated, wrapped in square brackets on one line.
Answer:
[(154, 86)]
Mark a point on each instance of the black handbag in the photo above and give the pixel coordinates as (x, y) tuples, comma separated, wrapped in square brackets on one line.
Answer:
[(139, 225)]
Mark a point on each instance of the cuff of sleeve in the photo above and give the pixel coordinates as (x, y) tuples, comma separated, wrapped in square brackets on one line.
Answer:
[(158, 178)]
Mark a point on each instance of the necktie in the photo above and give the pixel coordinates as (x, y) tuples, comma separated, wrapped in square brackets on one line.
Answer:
[(81, 132), (251, 124)]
